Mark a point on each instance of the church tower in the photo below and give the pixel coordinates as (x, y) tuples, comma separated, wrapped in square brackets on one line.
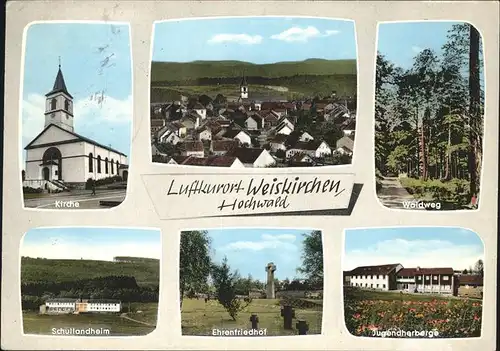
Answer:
[(59, 104), (244, 88)]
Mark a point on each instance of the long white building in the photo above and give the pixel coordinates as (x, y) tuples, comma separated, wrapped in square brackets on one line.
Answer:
[(72, 305)]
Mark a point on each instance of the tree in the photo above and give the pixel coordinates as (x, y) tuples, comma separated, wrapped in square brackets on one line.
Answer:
[(225, 286), (474, 110), (312, 257), (465, 271), (205, 100), (479, 268), (195, 262), (220, 99)]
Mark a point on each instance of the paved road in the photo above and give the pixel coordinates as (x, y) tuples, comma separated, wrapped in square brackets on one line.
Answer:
[(393, 195), (83, 197)]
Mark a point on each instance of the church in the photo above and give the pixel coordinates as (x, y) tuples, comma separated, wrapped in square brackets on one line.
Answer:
[(59, 158)]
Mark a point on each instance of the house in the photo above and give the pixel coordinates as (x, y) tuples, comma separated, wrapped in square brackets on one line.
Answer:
[(200, 110), (253, 157), (156, 125), (349, 127), (241, 135), (278, 142), (298, 136), (167, 135), (336, 112), (254, 122), (313, 148), (382, 277), (426, 280), (158, 150), (204, 133), (178, 128), (270, 119), (213, 161), (345, 145), (284, 129), (468, 281), (221, 147), (193, 148), (191, 120), (301, 160)]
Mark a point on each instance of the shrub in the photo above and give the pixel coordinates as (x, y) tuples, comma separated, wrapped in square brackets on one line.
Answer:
[(30, 190), (102, 181), (225, 286)]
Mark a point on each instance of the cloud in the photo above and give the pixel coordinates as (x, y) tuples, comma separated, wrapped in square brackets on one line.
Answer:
[(89, 111), (416, 49), (298, 34), (413, 253), (244, 39), (268, 241), (58, 248)]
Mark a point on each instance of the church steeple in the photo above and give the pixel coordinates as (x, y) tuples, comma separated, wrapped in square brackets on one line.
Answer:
[(244, 88), (59, 84), (59, 104)]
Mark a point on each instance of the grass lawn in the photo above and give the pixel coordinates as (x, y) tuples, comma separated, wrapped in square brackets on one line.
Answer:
[(34, 323), (34, 195), (199, 318), (360, 294)]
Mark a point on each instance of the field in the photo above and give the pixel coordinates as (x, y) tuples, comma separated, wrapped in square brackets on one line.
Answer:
[(32, 270), (34, 323), (368, 311), (199, 318), (284, 80)]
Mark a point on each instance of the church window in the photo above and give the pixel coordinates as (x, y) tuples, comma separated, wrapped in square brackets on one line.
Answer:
[(53, 104), (106, 170), (91, 162), (66, 105), (98, 164), (112, 166)]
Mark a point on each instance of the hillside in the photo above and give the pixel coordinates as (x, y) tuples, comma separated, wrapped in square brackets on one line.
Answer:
[(146, 272), (176, 71)]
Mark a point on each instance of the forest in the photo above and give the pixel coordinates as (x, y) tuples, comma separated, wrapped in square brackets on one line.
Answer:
[(429, 121)]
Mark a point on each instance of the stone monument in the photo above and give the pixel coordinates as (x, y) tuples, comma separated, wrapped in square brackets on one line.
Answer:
[(270, 288)]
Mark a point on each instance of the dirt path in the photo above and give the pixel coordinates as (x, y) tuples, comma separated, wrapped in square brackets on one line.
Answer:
[(124, 315), (393, 195)]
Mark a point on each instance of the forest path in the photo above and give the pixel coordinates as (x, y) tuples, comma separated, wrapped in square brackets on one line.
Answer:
[(393, 194), (124, 315)]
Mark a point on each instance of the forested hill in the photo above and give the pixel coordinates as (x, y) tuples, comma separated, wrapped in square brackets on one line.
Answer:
[(145, 271), (179, 71)]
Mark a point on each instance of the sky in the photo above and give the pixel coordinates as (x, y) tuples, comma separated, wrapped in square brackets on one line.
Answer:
[(250, 250), (425, 247), (401, 42), (253, 39), (95, 58), (91, 243)]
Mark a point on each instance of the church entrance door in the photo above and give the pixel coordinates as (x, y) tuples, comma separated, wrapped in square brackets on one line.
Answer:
[(53, 156), (46, 173)]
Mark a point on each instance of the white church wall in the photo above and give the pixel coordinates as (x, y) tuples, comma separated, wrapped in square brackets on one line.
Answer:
[(104, 153), (53, 134)]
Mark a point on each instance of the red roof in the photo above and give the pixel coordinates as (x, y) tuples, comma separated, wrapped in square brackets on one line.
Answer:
[(193, 146), (411, 272), (469, 279), (214, 161), (371, 270)]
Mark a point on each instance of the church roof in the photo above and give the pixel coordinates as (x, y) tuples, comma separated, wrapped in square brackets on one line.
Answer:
[(59, 85), (78, 138)]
